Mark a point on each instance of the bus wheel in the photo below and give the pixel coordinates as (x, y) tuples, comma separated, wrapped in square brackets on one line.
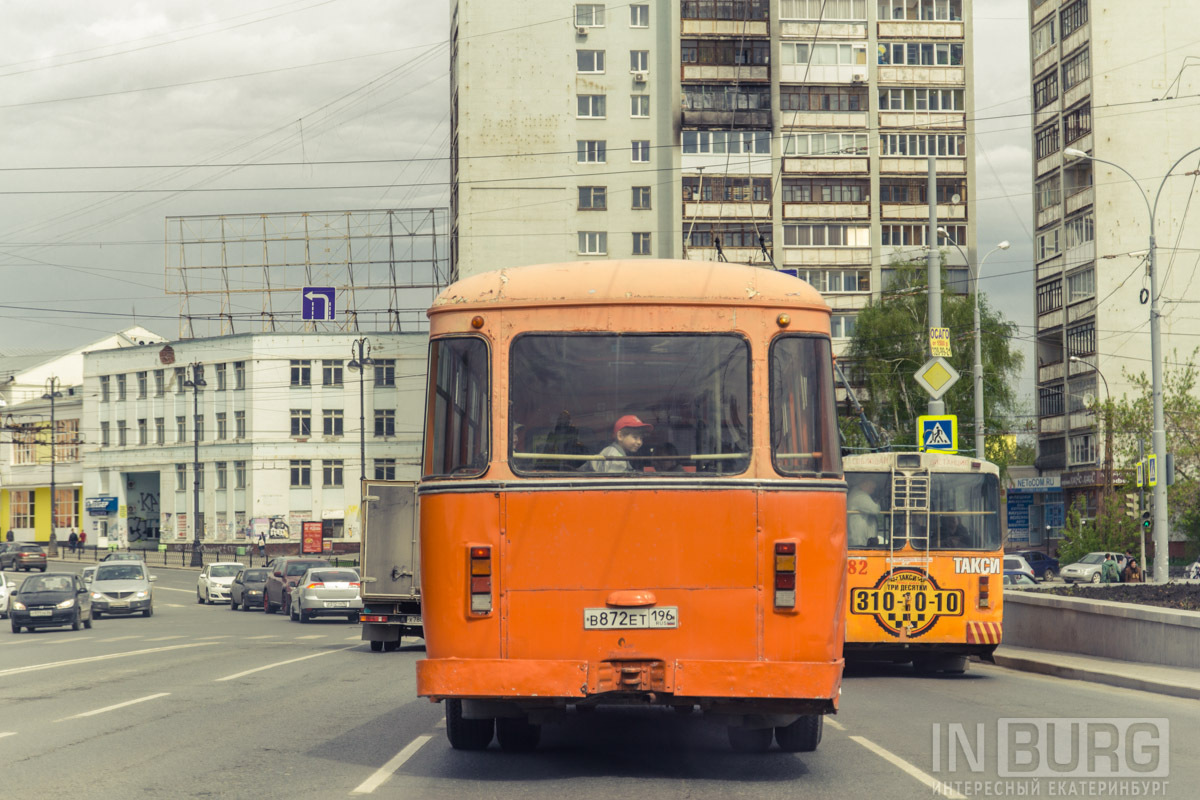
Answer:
[(802, 736), (923, 665), (955, 665), (391, 647), (750, 740), (517, 734), (376, 646), (467, 734)]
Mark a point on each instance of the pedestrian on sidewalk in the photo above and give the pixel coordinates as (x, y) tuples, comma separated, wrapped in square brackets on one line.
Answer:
[(1132, 573), (262, 545), (82, 540), (73, 541), (1109, 572)]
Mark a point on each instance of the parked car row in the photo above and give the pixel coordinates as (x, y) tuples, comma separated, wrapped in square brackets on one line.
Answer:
[(303, 587), (22, 556)]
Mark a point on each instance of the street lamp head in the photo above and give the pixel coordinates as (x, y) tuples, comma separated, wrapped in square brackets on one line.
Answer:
[(1004, 245), (1073, 152)]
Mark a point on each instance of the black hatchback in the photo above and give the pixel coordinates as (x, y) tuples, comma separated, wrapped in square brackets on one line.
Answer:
[(246, 591), (51, 599)]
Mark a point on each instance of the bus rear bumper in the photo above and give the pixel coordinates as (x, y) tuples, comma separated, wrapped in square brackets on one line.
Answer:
[(777, 683)]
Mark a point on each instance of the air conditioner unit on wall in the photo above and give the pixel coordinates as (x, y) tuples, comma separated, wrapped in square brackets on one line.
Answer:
[(640, 77), (580, 30), (858, 77)]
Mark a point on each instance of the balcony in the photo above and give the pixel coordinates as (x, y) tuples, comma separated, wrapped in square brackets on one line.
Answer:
[(945, 212), (724, 27), (826, 165), (1045, 61), (1080, 199), (725, 72), (1044, 10), (1077, 92), (1050, 372), (1081, 310), (1076, 40), (855, 211), (920, 29), (1050, 424), (1050, 162), (919, 166), (932, 121), (1051, 319), (1049, 267), (729, 210), (796, 29), (822, 119), (826, 256), (1083, 419), (1047, 114), (1049, 216), (824, 73), (739, 118), (923, 76), (737, 255)]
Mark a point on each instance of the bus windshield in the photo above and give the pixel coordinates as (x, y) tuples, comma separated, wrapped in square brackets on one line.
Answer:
[(612, 405), (963, 513)]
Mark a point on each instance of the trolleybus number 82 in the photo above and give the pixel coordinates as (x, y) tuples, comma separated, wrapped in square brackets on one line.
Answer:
[(619, 618)]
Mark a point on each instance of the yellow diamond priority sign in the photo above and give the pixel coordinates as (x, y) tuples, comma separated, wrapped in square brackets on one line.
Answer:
[(936, 376)]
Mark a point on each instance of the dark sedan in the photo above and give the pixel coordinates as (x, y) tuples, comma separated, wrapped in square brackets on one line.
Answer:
[(51, 599), (1045, 568), (246, 591)]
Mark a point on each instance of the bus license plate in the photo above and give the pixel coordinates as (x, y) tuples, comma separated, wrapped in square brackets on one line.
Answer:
[(604, 619)]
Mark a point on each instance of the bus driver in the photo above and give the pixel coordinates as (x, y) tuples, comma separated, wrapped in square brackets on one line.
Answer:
[(628, 432), (863, 512)]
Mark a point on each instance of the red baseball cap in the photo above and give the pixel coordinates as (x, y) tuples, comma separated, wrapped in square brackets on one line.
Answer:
[(630, 421)]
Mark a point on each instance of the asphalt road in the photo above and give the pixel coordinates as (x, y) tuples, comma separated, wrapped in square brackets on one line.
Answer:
[(199, 701)]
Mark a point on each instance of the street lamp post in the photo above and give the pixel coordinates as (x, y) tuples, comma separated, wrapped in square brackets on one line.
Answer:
[(360, 359), (196, 383), (1159, 437), (52, 394), (980, 449)]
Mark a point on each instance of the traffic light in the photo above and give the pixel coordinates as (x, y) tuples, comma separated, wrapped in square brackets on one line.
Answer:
[(1146, 521), (1131, 504)]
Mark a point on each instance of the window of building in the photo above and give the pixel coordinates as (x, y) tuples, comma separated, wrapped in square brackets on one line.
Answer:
[(301, 372), (122, 433), (1048, 192), (1048, 244), (385, 469), (301, 473), (726, 189), (160, 382), (160, 430), (842, 326), (1077, 123), (728, 234), (855, 10), (21, 505), (826, 190), (121, 387), (239, 474), (589, 15), (1081, 285), (725, 9), (726, 142), (641, 198), (301, 422), (910, 191), (180, 380), (331, 372), (822, 98), (641, 151), (730, 97), (916, 235), (1045, 36), (332, 473), (1050, 401), (104, 391), (105, 440), (639, 60), (639, 105), (589, 61), (199, 421), (66, 508), (143, 385), (824, 144), (222, 425), (1077, 68), (921, 54), (911, 10), (921, 100), (591, 151), (1083, 449), (1081, 340), (590, 106), (143, 429), (823, 234), (639, 15), (222, 475), (921, 145), (1080, 230), (25, 446), (1074, 17), (641, 244), (824, 53), (239, 375), (1049, 297), (331, 422), (725, 52), (593, 243), (181, 429), (593, 198), (219, 374), (1045, 90), (239, 424), (181, 477), (1046, 141), (1081, 392), (385, 372), (837, 281)]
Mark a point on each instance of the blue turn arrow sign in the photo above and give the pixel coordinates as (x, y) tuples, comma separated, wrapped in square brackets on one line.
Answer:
[(318, 303)]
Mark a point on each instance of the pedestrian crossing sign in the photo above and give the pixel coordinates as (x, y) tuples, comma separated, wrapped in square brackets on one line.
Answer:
[(938, 433)]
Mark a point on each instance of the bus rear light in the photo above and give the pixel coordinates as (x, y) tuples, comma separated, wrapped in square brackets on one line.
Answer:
[(372, 618), (984, 591), (480, 579), (785, 575)]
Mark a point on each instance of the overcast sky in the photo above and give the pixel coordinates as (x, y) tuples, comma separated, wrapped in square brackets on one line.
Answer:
[(133, 99)]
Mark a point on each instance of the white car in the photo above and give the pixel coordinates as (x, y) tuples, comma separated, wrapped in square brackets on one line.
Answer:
[(1019, 564), (213, 584), (8, 584)]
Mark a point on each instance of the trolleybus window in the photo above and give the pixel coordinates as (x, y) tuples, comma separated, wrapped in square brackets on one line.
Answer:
[(458, 407), (962, 512), (685, 396), (803, 422)]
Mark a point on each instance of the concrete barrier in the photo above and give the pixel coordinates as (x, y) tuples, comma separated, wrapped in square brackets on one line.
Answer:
[(1122, 631)]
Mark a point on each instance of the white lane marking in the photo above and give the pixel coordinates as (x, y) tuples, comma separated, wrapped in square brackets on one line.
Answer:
[(7, 733), (90, 659), (354, 638), (164, 638), (265, 636), (441, 723), (276, 664), (833, 723), (169, 589), (221, 636), (115, 707), (312, 636), (937, 786), (173, 605), (120, 638), (387, 770)]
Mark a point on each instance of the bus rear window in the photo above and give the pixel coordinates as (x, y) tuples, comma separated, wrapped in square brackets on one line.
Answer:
[(804, 439), (612, 405), (459, 407)]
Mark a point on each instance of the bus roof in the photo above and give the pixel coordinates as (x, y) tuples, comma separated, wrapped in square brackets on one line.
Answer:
[(630, 281), (938, 462)]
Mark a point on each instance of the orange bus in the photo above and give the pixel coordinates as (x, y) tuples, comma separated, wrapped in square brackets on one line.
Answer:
[(925, 559), (632, 493)]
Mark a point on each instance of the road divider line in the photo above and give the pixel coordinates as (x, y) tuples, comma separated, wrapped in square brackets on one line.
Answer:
[(7, 733), (833, 723), (277, 664), (312, 636), (115, 707), (169, 589), (119, 638), (937, 786), (221, 636), (165, 638), (91, 659), (266, 636), (387, 770)]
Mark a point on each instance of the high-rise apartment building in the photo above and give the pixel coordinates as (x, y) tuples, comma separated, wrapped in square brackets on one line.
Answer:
[(1110, 79), (792, 134)]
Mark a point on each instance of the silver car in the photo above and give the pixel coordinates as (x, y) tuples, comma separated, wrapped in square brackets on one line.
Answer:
[(212, 585), (9, 581), (122, 587), (1087, 569), (327, 592)]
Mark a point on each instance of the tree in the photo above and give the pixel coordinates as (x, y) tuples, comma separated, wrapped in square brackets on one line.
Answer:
[(1110, 532), (891, 342)]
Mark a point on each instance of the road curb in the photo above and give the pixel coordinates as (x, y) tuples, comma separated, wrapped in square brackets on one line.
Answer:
[(1046, 667)]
